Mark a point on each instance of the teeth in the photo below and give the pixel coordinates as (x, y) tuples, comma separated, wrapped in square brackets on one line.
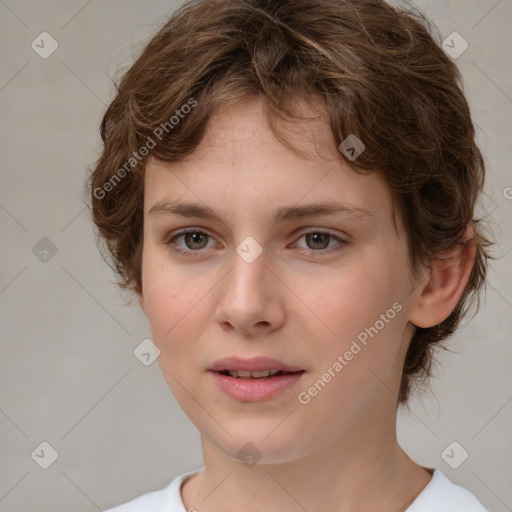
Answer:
[(244, 374), (263, 373)]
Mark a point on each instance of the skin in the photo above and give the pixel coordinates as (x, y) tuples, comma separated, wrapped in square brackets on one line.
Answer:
[(298, 302)]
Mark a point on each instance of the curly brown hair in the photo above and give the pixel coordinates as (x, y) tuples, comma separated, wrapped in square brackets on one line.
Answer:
[(382, 75)]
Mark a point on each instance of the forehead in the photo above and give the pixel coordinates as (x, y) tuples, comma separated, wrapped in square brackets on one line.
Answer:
[(244, 125), (241, 166)]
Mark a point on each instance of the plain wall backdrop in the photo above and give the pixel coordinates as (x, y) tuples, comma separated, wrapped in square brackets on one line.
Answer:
[(68, 375)]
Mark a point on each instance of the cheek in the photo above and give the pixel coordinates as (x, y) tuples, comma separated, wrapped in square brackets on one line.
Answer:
[(358, 366), (354, 298), (165, 289), (365, 316), (176, 305)]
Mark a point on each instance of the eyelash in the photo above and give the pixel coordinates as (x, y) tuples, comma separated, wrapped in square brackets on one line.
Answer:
[(187, 252)]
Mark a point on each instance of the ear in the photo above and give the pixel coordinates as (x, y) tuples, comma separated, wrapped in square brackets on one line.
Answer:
[(439, 294)]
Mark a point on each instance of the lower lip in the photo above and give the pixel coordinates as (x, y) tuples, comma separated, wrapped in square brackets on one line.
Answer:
[(255, 390)]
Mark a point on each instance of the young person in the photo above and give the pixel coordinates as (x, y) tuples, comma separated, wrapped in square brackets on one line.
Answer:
[(289, 188)]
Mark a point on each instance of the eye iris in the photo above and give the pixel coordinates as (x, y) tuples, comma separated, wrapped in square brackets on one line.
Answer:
[(195, 237), (313, 237)]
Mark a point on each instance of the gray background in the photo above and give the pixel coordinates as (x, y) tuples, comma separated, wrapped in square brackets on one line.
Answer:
[(68, 373)]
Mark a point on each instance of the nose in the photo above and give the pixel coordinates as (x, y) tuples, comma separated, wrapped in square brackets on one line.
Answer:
[(252, 297)]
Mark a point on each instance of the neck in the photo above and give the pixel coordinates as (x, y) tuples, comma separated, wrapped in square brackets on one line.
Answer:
[(363, 470)]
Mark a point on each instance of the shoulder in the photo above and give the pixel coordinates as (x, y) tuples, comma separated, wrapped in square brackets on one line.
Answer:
[(157, 501), (442, 495)]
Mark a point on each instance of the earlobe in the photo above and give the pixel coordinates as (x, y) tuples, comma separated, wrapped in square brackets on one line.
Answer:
[(439, 296)]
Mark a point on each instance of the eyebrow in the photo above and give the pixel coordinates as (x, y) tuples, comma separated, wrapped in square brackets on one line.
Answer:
[(282, 214)]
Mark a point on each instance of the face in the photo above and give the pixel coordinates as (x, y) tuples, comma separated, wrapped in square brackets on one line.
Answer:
[(327, 297)]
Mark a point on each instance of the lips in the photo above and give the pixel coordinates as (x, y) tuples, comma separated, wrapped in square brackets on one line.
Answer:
[(255, 380), (256, 364)]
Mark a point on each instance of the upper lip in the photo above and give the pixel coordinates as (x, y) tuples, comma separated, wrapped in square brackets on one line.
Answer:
[(254, 364)]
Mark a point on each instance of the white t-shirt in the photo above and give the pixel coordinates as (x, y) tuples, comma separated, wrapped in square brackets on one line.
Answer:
[(440, 495)]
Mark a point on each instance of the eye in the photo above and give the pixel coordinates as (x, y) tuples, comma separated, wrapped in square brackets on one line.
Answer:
[(318, 241), (194, 241)]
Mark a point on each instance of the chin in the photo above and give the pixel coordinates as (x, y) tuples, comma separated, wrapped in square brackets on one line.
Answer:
[(252, 444)]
